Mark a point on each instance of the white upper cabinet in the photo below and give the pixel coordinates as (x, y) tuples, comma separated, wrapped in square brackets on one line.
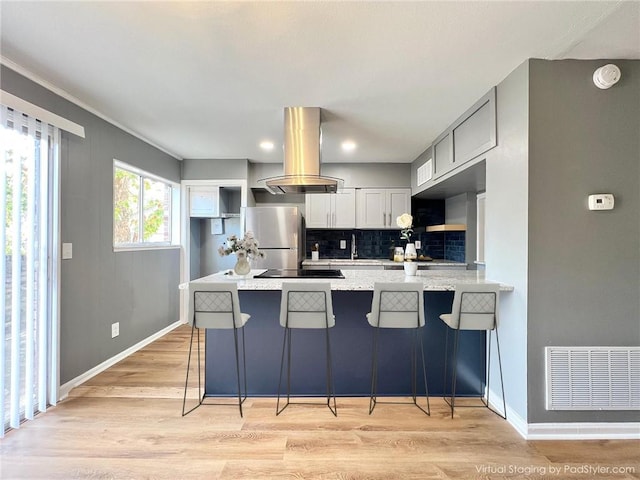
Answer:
[(344, 211), (204, 201), (214, 201), (371, 208), (331, 210), (379, 207)]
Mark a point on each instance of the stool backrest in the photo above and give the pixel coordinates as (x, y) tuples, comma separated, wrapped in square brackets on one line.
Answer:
[(215, 305), (306, 305), (397, 305), (475, 307)]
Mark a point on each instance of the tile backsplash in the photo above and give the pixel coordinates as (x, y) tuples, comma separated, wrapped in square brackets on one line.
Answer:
[(378, 243)]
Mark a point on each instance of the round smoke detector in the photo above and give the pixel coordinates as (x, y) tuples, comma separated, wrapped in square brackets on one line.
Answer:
[(606, 76)]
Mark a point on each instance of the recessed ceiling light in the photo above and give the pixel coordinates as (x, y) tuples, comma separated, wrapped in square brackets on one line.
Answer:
[(348, 146), (266, 145)]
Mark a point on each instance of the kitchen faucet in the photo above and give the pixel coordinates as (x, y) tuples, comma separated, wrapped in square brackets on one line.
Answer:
[(354, 250)]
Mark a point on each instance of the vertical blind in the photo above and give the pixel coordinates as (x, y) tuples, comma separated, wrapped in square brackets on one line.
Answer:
[(28, 266)]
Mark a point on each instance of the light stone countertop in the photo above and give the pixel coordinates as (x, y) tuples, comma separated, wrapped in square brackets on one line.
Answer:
[(433, 280)]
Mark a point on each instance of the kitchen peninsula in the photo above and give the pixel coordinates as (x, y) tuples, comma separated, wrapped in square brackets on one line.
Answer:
[(351, 338)]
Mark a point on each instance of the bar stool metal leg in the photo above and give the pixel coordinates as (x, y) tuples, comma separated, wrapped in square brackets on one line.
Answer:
[(424, 376), (374, 371), (486, 381), (451, 402), (186, 382), (417, 339), (286, 347), (241, 398), (201, 394), (504, 404), (331, 389)]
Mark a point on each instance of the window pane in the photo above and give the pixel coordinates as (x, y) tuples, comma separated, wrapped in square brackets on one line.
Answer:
[(157, 209), (142, 208), (126, 207)]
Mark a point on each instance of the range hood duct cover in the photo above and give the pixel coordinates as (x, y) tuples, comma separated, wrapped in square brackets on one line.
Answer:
[(302, 143)]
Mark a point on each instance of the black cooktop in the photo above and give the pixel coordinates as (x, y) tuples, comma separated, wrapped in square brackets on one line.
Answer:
[(292, 273)]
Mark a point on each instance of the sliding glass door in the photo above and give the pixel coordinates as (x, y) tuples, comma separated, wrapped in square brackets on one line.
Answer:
[(28, 266)]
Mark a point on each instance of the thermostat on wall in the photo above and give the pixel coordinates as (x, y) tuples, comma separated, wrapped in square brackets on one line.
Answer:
[(601, 201)]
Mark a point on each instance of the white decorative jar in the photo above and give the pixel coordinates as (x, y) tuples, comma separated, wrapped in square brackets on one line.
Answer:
[(242, 266), (410, 252), (410, 269)]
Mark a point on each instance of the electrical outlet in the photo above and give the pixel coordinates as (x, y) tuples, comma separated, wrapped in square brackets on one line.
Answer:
[(115, 329), (343, 244), (418, 244)]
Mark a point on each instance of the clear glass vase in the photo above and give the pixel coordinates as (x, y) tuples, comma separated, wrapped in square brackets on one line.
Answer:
[(242, 266)]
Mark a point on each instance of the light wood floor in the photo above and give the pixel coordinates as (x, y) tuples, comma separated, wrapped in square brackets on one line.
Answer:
[(127, 423)]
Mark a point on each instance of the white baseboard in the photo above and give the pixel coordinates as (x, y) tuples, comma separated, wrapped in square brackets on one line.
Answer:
[(568, 431), (64, 390), (584, 431)]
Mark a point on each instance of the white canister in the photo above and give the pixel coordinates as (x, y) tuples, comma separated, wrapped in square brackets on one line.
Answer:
[(315, 255), (410, 269)]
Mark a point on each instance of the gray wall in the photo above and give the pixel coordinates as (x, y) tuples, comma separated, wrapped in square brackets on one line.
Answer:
[(462, 209), (99, 287), (584, 267), (218, 169), (378, 175), (506, 226), (355, 175)]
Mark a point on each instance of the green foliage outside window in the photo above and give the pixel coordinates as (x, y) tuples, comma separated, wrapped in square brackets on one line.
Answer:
[(10, 160), (128, 198)]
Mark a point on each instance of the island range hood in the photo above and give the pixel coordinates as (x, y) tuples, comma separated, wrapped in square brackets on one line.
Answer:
[(302, 142)]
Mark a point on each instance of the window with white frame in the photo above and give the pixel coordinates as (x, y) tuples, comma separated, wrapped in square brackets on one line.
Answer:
[(145, 209)]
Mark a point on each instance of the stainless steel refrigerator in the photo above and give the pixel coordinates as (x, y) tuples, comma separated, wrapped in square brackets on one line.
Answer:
[(280, 233)]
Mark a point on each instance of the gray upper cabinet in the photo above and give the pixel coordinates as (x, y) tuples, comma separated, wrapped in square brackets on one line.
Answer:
[(471, 135), (476, 133), (443, 154)]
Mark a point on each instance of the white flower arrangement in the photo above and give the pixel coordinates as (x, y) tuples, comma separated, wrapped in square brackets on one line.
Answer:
[(247, 245), (405, 222)]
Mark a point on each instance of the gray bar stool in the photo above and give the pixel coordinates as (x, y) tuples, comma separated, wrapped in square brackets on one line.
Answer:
[(306, 305), (398, 305), (216, 306), (475, 307)]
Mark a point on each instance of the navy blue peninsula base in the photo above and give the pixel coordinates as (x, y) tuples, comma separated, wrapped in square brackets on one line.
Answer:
[(351, 343)]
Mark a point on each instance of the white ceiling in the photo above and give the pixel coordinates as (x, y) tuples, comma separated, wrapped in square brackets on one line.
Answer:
[(211, 79)]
